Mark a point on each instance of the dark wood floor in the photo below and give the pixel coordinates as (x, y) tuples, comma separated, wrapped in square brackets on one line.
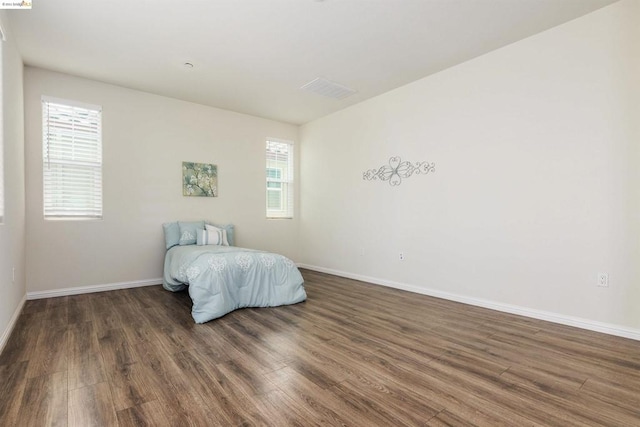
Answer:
[(352, 354)]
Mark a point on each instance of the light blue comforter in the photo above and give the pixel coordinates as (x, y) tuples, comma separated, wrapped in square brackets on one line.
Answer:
[(221, 279)]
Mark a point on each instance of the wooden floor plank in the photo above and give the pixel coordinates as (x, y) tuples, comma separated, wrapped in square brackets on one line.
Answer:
[(211, 384), (173, 386), (130, 386), (85, 369), (79, 309), (116, 350), (447, 419), (332, 409), (83, 338), (24, 338), (50, 353), (13, 380), (149, 414), (352, 354), (282, 409), (44, 402), (91, 406)]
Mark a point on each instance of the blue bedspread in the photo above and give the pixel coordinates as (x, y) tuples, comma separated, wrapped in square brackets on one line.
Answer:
[(221, 279)]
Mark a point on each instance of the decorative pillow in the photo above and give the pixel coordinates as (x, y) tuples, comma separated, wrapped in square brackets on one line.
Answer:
[(210, 237), (221, 232), (171, 234), (230, 232), (189, 232)]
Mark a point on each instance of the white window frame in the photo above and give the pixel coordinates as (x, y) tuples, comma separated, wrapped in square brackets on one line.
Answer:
[(72, 160), (280, 155)]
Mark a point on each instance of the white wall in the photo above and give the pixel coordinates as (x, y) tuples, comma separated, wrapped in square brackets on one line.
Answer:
[(536, 188), (12, 232), (145, 139)]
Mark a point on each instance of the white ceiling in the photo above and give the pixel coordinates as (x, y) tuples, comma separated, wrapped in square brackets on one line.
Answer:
[(252, 56)]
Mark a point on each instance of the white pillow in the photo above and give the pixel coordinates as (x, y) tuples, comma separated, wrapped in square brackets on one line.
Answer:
[(215, 236), (210, 237)]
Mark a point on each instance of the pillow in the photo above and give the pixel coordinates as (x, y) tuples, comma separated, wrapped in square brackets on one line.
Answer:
[(220, 232), (171, 234), (211, 237), (189, 232), (230, 232)]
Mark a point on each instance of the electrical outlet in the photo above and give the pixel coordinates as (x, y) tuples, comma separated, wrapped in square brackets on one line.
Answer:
[(603, 280), (401, 256)]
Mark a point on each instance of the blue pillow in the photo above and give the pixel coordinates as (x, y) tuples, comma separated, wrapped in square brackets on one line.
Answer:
[(171, 234), (189, 232), (230, 229)]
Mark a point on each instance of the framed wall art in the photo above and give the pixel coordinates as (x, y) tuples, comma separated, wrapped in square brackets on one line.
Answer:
[(199, 179)]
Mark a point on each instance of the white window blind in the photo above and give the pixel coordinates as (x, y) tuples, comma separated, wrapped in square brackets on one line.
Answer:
[(1, 132), (72, 154), (279, 176), (275, 201)]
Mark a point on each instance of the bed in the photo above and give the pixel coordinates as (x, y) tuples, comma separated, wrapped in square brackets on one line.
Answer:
[(223, 278)]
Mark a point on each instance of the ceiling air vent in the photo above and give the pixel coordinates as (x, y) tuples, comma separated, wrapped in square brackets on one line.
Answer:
[(328, 88)]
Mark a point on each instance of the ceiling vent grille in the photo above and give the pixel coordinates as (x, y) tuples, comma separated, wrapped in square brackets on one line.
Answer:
[(328, 88)]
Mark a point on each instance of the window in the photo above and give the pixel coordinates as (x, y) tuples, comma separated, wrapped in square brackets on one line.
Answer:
[(1, 132), (279, 179), (275, 201), (72, 154)]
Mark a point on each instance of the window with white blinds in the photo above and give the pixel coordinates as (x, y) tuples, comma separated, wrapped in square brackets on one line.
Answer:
[(1, 133), (72, 154), (279, 176)]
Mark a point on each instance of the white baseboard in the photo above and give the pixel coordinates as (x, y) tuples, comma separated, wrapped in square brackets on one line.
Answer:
[(607, 328), (12, 323), (93, 288)]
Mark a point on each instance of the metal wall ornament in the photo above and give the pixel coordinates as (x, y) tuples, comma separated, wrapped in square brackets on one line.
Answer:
[(397, 169)]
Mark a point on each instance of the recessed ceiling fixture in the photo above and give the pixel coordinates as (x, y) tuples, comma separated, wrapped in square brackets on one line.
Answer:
[(328, 88), (188, 65)]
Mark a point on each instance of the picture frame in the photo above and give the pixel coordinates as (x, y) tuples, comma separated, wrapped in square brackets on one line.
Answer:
[(199, 179)]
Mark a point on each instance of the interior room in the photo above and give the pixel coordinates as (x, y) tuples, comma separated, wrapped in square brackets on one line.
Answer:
[(458, 184)]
